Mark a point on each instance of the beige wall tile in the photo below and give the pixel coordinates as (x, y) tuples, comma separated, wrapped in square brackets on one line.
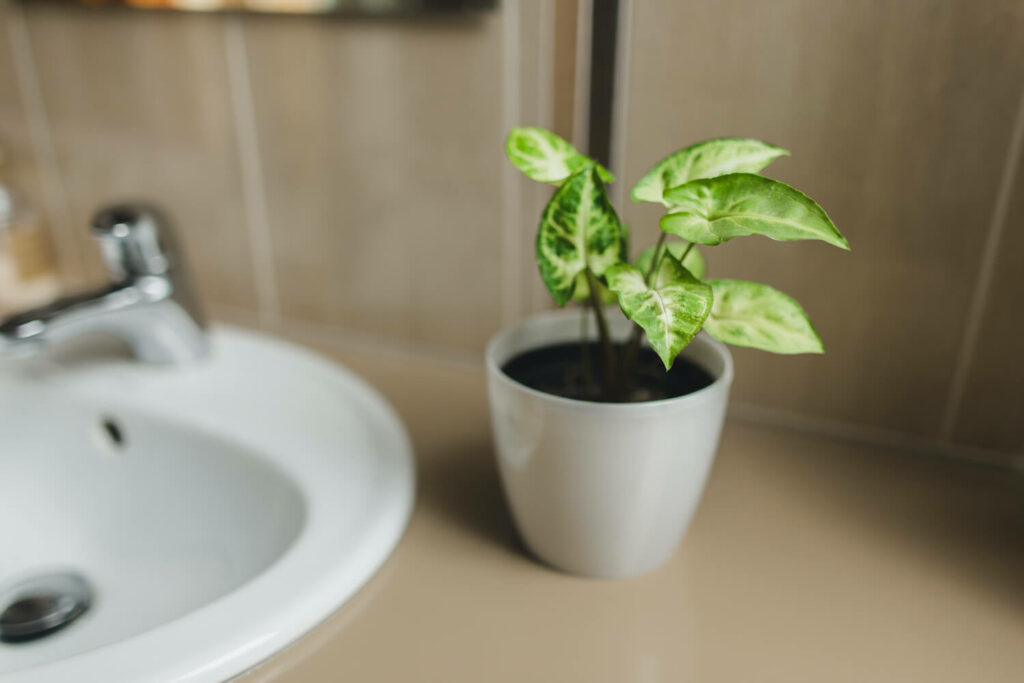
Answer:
[(381, 147), (19, 165), (566, 24), (17, 162), (898, 115), (544, 79), (139, 106), (992, 410)]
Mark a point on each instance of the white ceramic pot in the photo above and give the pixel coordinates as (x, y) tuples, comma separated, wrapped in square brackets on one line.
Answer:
[(602, 489)]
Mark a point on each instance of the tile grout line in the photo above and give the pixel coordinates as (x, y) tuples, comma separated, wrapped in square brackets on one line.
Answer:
[(253, 185), (980, 294), (70, 261), (326, 334), (369, 342), (581, 96), (864, 434), (546, 67), (544, 117), (620, 108), (511, 186)]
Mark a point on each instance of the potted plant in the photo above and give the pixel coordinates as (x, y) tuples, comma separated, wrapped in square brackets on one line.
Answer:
[(605, 432)]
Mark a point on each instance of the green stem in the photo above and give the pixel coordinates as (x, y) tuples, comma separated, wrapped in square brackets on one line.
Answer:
[(655, 259), (632, 352), (608, 380), (587, 375), (686, 252)]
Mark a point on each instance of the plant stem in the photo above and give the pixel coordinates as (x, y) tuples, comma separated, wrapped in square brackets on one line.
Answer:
[(686, 252), (587, 374), (633, 345), (632, 351), (655, 259), (608, 380)]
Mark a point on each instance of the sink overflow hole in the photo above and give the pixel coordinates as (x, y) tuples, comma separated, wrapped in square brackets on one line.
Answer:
[(112, 434)]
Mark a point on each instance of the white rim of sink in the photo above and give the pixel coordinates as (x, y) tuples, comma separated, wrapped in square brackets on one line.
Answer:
[(310, 581)]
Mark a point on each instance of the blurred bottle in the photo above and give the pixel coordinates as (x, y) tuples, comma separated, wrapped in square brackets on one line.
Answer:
[(28, 273)]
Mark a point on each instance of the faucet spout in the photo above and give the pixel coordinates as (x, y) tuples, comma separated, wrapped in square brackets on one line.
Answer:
[(150, 308)]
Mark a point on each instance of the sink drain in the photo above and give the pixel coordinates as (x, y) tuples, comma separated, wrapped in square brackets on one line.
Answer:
[(41, 605)]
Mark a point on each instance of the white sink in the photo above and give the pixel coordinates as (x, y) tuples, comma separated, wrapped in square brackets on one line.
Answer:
[(250, 496)]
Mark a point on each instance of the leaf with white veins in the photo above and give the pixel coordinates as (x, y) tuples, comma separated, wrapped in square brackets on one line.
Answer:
[(714, 210), (546, 157), (756, 315), (704, 160), (671, 311), (578, 230)]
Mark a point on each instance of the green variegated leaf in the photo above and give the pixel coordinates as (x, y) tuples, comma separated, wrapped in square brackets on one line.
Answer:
[(627, 239), (578, 230), (694, 260), (714, 210), (545, 157), (755, 315), (581, 293), (705, 160), (671, 311)]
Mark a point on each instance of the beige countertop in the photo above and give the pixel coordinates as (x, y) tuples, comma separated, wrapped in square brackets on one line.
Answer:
[(810, 559)]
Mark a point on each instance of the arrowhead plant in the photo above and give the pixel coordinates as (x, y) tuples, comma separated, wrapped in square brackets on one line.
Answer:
[(711, 192)]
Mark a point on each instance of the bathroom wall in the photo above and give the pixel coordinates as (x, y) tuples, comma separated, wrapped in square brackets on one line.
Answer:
[(905, 120), (341, 180), (340, 174)]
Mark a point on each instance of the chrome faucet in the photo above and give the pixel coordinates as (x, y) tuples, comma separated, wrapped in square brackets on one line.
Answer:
[(149, 303)]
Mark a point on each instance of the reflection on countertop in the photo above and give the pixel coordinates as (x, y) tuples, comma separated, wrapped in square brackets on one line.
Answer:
[(811, 559)]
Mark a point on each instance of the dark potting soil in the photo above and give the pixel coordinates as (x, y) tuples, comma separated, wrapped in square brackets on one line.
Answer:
[(559, 369)]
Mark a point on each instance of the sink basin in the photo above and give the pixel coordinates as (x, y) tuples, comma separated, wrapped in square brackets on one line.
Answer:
[(217, 511)]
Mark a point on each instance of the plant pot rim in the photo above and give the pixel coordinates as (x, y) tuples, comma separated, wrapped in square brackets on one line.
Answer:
[(721, 382)]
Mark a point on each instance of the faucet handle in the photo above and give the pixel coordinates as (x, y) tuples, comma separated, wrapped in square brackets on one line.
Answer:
[(130, 237)]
